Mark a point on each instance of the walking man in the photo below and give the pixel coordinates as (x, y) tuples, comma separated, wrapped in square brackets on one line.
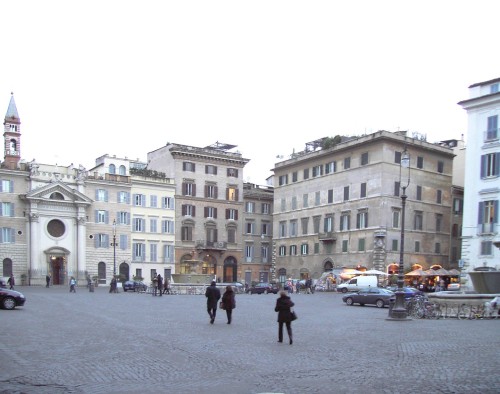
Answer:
[(47, 279), (11, 281), (213, 295), (160, 283)]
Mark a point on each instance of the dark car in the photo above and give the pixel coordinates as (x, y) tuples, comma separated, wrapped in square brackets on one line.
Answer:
[(134, 285), (410, 292), (370, 296), (263, 287), (9, 299)]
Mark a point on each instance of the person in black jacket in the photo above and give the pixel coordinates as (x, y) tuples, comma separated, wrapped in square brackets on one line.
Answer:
[(283, 307), (229, 302), (213, 296)]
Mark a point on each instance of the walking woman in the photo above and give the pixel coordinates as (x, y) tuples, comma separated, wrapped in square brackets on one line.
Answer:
[(283, 307), (229, 302)]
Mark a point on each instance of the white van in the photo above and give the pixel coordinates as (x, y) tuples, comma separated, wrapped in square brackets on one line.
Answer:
[(358, 283)]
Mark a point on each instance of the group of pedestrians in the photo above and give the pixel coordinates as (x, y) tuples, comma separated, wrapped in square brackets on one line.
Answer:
[(284, 305), (160, 286)]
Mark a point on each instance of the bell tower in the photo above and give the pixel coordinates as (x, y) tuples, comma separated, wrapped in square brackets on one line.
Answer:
[(12, 136)]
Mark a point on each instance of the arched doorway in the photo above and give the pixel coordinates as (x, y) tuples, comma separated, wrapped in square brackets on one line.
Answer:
[(57, 267), (101, 272), (124, 271), (282, 276), (327, 266), (230, 271), (7, 267)]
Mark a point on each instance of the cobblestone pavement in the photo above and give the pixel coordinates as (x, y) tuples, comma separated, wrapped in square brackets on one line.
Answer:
[(129, 342)]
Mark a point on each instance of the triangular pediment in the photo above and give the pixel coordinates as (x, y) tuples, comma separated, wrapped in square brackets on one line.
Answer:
[(58, 192)]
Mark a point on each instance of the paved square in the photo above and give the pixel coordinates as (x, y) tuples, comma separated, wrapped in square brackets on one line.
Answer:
[(135, 343)]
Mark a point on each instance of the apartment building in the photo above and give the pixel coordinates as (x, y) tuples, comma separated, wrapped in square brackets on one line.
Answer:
[(338, 204), (480, 234), (258, 264), (208, 207)]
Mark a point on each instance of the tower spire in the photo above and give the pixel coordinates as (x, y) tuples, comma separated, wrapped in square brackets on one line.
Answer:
[(12, 136)]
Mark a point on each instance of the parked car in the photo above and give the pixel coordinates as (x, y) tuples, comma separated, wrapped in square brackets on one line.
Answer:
[(454, 287), (9, 299), (3, 281), (134, 285), (410, 292), (370, 296), (263, 287)]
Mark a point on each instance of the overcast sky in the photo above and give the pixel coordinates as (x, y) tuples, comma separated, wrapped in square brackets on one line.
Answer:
[(126, 77)]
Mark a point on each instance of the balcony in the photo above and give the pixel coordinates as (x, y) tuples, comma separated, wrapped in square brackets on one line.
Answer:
[(328, 237), (211, 245)]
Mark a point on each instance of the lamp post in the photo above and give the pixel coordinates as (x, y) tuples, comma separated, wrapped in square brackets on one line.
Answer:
[(114, 248), (399, 312)]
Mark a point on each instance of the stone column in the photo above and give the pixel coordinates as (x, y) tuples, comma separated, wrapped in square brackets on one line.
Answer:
[(34, 254), (81, 263)]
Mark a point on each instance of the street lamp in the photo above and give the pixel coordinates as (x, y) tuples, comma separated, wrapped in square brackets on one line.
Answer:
[(398, 312), (114, 248)]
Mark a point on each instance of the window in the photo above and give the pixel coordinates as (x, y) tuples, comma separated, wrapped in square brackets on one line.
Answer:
[(419, 193), (249, 227), (123, 197), (112, 169), (316, 247), (486, 248), (101, 195), (304, 249), (490, 165), (330, 196), (306, 173), (361, 245), (458, 205), (283, 204), (188, 210), (123, 242), (362, 219), (454, 230), (293, 228), (439, 223), (440, 166), (249, 253), (187, 233), (304, 222), (211, 233), (282, 229), (139, 200), (123, 218), (305, 200), (439, 196), (139, 225), (282, 250), (167, 226), (188, 166), (6, 186), (212, 170), (101, 216), (266, 208), (266, 229), (188, 189), (167, 202), (345, 224), (317, 198), (7, 235), (395, 218), (283, 180), (346, 193), (331, 167), (492, 131), (317, 171), (347, 163), (395, 245), (363, 190), (316, 223), (294, 203), (295, 176), (7, 209), (494, 88), (437, 247), (138, 251), (232, 193), (488, 216), (328, 224), (250, 207), (418, 220), (420, 162), (364, 159), (122, 170), (417, 246), (232, 172), (397, 158), (345, 245), (153, 225), (397, 187), (168, 253), (231, 235), (293, 250), (211, 212), (231, 214), (153, 201), (153, 252)]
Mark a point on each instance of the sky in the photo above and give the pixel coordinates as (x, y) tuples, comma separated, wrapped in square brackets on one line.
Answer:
[(126, 77)]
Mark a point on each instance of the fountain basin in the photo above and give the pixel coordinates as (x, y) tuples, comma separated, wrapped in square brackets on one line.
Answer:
[(487, 282)]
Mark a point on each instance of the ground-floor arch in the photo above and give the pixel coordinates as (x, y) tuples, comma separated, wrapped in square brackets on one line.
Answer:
[(230, 270)]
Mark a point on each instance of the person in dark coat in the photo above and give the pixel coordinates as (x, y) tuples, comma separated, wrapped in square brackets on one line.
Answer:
[(213, 296), (283, 307), (47, 280), (160, 283), (11, 282), (166, 287), (229, 302)]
